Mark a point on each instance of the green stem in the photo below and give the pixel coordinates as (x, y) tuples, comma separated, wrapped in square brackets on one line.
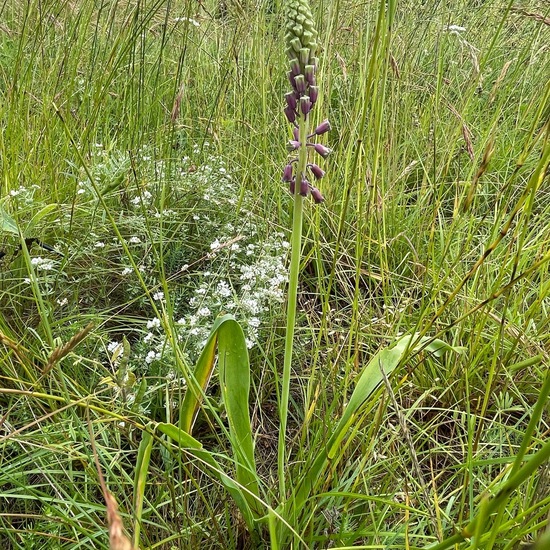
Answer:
[(296, 246)]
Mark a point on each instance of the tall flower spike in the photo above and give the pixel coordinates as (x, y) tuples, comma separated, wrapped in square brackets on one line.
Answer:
[(301, 48)]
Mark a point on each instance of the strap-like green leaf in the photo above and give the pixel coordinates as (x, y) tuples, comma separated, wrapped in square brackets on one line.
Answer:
[(234, 370), (382, 364), (43, 212), (201, 376)]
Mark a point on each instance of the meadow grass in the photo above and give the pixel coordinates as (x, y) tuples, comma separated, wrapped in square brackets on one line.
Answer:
[(143, 142)]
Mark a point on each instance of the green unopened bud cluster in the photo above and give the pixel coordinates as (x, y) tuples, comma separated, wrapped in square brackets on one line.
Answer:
[(301, 36)]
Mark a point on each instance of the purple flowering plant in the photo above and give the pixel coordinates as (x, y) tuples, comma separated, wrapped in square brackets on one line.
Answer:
[(299, 173)]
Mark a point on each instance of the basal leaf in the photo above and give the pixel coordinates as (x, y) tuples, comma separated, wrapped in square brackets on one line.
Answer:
[(234, 370)]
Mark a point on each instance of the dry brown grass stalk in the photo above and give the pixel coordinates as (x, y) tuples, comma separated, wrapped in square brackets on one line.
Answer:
[(117, 538), (62, 351), (17, 350)]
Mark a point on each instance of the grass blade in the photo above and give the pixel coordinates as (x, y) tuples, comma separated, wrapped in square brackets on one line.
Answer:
[(142, 468)]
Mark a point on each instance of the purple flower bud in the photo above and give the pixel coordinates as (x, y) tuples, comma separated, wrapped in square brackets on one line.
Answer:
[(296, 133), (300, 83), (287, 173), (290, 114), (304, 187), (323, 127), (292, 186), (293, 145), (313, 93), (295, 68), (291, 100), (322, 150), (310, 74), (316, 171), (305, 104), (314, 61), (316, 194), (292, 81)]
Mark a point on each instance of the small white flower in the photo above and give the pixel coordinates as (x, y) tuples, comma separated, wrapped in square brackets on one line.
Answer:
[(151, 356), (158, 296), (203, 312), (81, 191), (215, 245), (134, 240), (223, 289), (193, 22), (62, 302), (99, 244), (112, 346), (455, 28), (148, 337), (42, 263), (126, 271), (249, 343), (153, 323), (181, 321), (135, 200)]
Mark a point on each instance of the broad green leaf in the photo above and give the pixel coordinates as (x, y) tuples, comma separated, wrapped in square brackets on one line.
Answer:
[(182, 438), (199, 381), (43, 212), (439, 347), (8, 223), (227, 339), (194, 448), (234, 370), (371, 377)]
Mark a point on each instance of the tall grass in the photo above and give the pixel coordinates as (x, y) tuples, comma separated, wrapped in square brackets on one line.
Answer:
[(119, 121)]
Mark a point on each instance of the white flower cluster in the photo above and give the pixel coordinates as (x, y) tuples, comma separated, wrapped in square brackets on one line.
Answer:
[(44, 264), (217, 259), (255, 281), (239, 271)]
